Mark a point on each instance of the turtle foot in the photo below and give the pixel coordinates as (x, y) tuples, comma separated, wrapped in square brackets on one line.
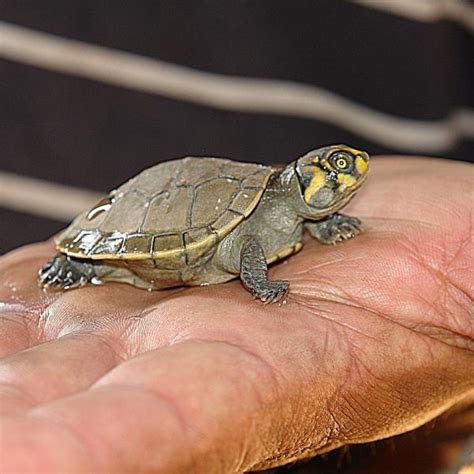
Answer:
[(271, 291), (63, 272), (335, 229)]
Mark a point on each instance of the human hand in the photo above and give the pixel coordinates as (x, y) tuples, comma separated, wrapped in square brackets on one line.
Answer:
[(376, 338)]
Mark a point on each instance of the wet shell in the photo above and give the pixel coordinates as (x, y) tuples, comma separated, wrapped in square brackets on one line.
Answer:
[(174, 211)]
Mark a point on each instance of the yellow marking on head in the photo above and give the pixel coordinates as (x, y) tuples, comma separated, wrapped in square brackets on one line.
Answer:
[(317, 182), (346, 179), (361, 165)]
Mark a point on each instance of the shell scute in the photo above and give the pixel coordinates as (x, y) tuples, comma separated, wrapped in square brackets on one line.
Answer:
[(193, 171), (108, 245), (125, 214), (227, 222), (212, 199), (198, 241), (243, 201), (171, 247), (85, 241), (237, 170), (174, 212), (137, 244), (151, 180), (168, 211), (256, 179)]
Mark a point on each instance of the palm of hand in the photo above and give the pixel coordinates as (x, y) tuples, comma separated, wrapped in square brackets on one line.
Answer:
[(376, 338)]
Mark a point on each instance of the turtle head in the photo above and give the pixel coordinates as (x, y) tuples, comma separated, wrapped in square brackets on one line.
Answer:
[(329, 176)]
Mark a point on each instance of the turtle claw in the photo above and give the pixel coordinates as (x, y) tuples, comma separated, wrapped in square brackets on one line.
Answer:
[(271, 291), (335, 229), (343, 229), (62, 272), (350, 229)]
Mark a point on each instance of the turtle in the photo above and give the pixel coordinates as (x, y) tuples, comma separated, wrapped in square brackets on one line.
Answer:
[(201, 221)]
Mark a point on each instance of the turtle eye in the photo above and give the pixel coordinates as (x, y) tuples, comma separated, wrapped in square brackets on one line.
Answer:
[(342, 161)]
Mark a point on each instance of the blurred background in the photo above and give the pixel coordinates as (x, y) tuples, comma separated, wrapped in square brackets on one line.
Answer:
[(92, 92)]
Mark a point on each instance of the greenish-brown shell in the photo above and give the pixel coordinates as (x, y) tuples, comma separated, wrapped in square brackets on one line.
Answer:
[(175, 212)]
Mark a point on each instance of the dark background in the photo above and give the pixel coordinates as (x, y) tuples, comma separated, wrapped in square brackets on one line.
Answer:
[(67, 129)]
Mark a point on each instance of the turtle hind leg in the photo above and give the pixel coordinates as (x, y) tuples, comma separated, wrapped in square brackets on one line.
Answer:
[(64, 272), (253, 273)]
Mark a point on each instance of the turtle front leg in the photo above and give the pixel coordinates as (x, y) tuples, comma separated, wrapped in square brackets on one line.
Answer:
[(254, 273), (335, 228), (65, 272)]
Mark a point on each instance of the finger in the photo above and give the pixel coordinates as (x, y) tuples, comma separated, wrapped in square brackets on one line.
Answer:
[(169, 419), (86, 332), (271, 405), (54, 369)]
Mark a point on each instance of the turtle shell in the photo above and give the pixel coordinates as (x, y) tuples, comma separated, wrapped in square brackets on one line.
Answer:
[(176, 211)]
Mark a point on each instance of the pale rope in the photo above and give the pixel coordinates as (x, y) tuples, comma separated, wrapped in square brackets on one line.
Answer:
[(428, 11), (43, 198), (230, 92)]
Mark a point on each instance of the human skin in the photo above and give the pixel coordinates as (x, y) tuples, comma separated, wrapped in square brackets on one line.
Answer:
[(375, 339)]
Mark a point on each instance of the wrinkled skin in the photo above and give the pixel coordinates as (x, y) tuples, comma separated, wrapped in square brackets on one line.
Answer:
[(376, 338)]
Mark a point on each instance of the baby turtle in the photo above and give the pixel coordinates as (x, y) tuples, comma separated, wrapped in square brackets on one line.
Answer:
[(200, 221)]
